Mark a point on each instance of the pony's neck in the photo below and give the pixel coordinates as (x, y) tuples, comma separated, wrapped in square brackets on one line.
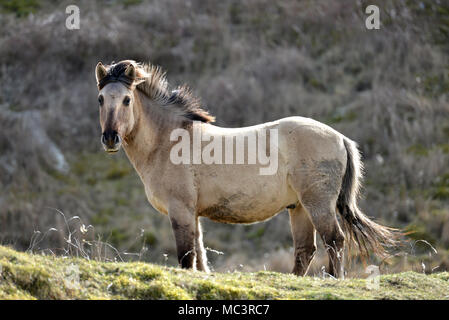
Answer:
[(151, 132)]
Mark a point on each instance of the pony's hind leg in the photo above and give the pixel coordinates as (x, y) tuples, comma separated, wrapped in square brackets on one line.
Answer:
[(323, 215), (318, 184), (304, 239), (201, 258)]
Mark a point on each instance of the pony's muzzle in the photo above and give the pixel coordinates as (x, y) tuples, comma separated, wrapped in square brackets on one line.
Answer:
[(111, 141)]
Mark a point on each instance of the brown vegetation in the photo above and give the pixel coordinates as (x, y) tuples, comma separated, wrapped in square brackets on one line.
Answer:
[(250, 62)]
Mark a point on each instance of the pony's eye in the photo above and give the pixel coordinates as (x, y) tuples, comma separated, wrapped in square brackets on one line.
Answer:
[(127, 101), (100, 100)]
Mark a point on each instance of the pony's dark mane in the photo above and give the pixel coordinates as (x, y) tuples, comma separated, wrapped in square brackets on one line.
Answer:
[(191, 105), (151, 81)]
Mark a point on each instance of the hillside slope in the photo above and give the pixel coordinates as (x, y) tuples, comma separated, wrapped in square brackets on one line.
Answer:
[(250, 62), (26, 276)]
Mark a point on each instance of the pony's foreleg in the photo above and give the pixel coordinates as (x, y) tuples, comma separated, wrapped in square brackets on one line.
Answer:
[(201, 258), (304, 239), (183, 224)]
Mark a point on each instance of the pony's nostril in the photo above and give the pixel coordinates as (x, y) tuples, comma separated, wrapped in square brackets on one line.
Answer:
[(111, 140)]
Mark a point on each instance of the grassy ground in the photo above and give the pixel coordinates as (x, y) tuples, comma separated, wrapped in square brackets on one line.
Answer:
[(26, 276)]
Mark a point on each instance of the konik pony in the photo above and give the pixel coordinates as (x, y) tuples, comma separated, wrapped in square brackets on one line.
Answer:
[(317, 179)]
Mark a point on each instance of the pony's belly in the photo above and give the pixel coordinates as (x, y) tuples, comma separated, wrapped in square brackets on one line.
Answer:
[(239, 208), (240, 195), (225, 215)]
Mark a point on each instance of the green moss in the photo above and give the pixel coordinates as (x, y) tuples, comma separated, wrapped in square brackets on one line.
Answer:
[(60, 176), (342, 117), (235, 12), (117, 171), (258, 233), (27, 276), (316, 84), (435, 85), (99, 166), (441, 192), (441, 188), (444, 147), (118, 236), (423, 151), (20, 8), (438, 13), (418, 150), (102, 217), (446, 131), (128, 3), (417, 231), (149, 238)]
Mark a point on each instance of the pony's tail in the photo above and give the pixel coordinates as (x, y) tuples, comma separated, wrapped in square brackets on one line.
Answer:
[(360, 231)]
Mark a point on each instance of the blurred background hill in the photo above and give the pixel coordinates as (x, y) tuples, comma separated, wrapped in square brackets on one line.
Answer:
[(250, 62)]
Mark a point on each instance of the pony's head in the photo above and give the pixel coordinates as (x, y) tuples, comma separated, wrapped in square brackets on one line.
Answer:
[(116, 84)]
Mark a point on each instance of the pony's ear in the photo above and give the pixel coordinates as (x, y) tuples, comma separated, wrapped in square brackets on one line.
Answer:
[(100, 72), (132, 73)]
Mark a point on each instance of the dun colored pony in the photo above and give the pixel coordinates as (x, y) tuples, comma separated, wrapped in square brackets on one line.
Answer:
[(318, 174)]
